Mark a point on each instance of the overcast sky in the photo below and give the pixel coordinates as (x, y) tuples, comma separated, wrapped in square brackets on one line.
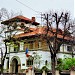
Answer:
[(31, 6)]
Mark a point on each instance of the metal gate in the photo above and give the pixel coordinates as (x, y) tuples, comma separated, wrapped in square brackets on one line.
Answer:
[(38, 73), (49, 73)]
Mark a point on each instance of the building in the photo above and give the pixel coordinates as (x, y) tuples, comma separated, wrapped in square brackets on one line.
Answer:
[(25, 46)]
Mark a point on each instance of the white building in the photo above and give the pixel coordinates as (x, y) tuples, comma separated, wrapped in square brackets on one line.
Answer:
[(38, 53)]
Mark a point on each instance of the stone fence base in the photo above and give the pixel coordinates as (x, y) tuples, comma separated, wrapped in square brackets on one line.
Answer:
[(31, 72), (72, 73)]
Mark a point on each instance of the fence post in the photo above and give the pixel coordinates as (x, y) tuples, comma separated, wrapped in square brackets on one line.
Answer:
[(27, 72), (33, 72), (72, 72), (57, 72), (44, 73)]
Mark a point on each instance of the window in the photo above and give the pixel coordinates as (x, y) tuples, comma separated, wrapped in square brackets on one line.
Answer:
[(69, 48), (36, 44), (26, 45), (46, 62), (44, 45), (39, 44), (16, 47), (30, 61), (23, 64), (21, 46), (31, 45)]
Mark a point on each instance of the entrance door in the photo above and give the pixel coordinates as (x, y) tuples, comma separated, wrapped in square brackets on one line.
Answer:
[(14, 66)]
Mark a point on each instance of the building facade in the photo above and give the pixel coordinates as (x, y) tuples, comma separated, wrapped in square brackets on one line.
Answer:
[(26, 48)]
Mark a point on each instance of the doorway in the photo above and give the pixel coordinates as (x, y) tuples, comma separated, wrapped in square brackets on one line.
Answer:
[(14, 66)]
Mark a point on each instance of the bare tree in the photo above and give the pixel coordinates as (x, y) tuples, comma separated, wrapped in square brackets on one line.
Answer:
[(5, 15), (63, 33)]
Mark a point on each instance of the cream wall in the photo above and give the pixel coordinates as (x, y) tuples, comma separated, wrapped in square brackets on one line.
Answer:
[(22, 56)]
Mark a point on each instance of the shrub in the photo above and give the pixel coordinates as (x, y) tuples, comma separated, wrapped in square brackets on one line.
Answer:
[(44, 68), (66, 64)]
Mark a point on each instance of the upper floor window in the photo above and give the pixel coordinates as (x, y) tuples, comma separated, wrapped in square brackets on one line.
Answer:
[(69, 48), (21, 46), (29, 45), (16, 47)]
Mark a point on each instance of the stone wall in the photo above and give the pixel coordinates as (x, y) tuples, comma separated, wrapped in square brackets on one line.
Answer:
[(31, 72)]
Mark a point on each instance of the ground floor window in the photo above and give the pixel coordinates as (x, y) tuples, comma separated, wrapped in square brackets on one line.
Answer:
[(30, 61)]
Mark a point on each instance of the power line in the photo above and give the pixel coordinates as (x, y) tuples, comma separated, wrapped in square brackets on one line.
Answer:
[(31, 9), (28, 7)]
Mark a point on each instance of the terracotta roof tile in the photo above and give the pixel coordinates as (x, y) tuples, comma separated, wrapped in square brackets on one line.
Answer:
[(40, 31), (19, 18)]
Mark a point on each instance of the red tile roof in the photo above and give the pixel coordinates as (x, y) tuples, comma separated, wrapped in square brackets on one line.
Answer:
[(19, 18), (35, 31), (40, 31)]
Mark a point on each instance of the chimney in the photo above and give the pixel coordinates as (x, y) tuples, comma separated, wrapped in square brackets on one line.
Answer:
[(33, 19)]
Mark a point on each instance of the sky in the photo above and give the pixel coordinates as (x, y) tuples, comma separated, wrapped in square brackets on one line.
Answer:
[(31, 8)]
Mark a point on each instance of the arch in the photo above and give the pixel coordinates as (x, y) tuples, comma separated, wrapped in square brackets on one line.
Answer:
[(15, 64), (15, 57)]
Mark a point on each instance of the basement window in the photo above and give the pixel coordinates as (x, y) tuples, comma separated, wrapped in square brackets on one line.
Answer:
[(23, 64), (69, 48)]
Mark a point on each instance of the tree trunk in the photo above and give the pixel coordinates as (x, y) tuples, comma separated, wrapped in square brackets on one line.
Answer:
[(3, 59), (2, 69), (53, 64)]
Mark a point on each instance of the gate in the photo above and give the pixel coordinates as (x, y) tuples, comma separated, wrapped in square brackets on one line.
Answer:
[(65, 73), (38, 73), (49, 73)]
